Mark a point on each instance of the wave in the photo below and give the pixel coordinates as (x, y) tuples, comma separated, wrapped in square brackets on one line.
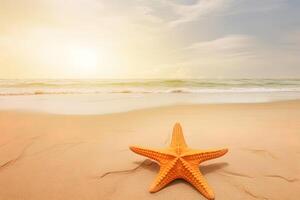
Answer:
[(199, 83), (145, 91), (48, 87)]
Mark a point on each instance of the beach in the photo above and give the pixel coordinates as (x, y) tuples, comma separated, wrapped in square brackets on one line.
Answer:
[(149, 100), (74, 156)]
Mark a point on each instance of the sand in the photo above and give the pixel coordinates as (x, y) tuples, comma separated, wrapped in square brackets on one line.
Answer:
[(69, 157)]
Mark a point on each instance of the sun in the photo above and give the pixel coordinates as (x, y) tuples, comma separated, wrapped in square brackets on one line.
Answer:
[(83, 61)]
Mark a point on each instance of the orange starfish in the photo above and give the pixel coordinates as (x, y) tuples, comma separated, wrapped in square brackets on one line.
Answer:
[(178, 161)]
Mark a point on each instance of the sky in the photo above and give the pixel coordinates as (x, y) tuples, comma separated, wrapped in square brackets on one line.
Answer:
[(46, 39)]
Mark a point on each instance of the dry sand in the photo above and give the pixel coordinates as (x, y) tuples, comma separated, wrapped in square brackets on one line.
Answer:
[(45, 156)]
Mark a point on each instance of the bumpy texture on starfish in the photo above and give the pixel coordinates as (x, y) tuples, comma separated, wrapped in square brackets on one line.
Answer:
[(178, 161)]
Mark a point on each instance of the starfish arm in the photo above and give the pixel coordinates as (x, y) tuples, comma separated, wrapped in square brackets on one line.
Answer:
[(157, 155), (200, 156), (193, 176), (178, 140), (165, 176)]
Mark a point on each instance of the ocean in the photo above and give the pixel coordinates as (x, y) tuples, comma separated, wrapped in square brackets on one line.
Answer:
[(42, 87), (109, 96)]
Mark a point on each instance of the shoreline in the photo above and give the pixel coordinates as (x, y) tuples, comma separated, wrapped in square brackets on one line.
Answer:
[(116, 103), (295, 101)]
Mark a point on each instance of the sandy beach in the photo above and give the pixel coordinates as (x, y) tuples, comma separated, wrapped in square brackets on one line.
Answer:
[(50, 156), (114, 100)]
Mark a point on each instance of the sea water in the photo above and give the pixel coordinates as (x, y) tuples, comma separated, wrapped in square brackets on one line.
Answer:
[(108, 96)]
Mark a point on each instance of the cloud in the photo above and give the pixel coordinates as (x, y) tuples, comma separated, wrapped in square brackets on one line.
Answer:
[(238, 56), (228, 46), (187, 13), (215, 58), (232, 56), (175, 13)]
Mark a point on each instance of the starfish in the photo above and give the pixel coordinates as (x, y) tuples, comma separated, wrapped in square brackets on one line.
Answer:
[(178, 161)]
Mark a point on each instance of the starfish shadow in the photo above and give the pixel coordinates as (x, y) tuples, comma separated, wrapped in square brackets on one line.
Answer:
[(148, 165)]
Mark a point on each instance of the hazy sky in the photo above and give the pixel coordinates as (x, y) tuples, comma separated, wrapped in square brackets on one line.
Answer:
[(149, 38)]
